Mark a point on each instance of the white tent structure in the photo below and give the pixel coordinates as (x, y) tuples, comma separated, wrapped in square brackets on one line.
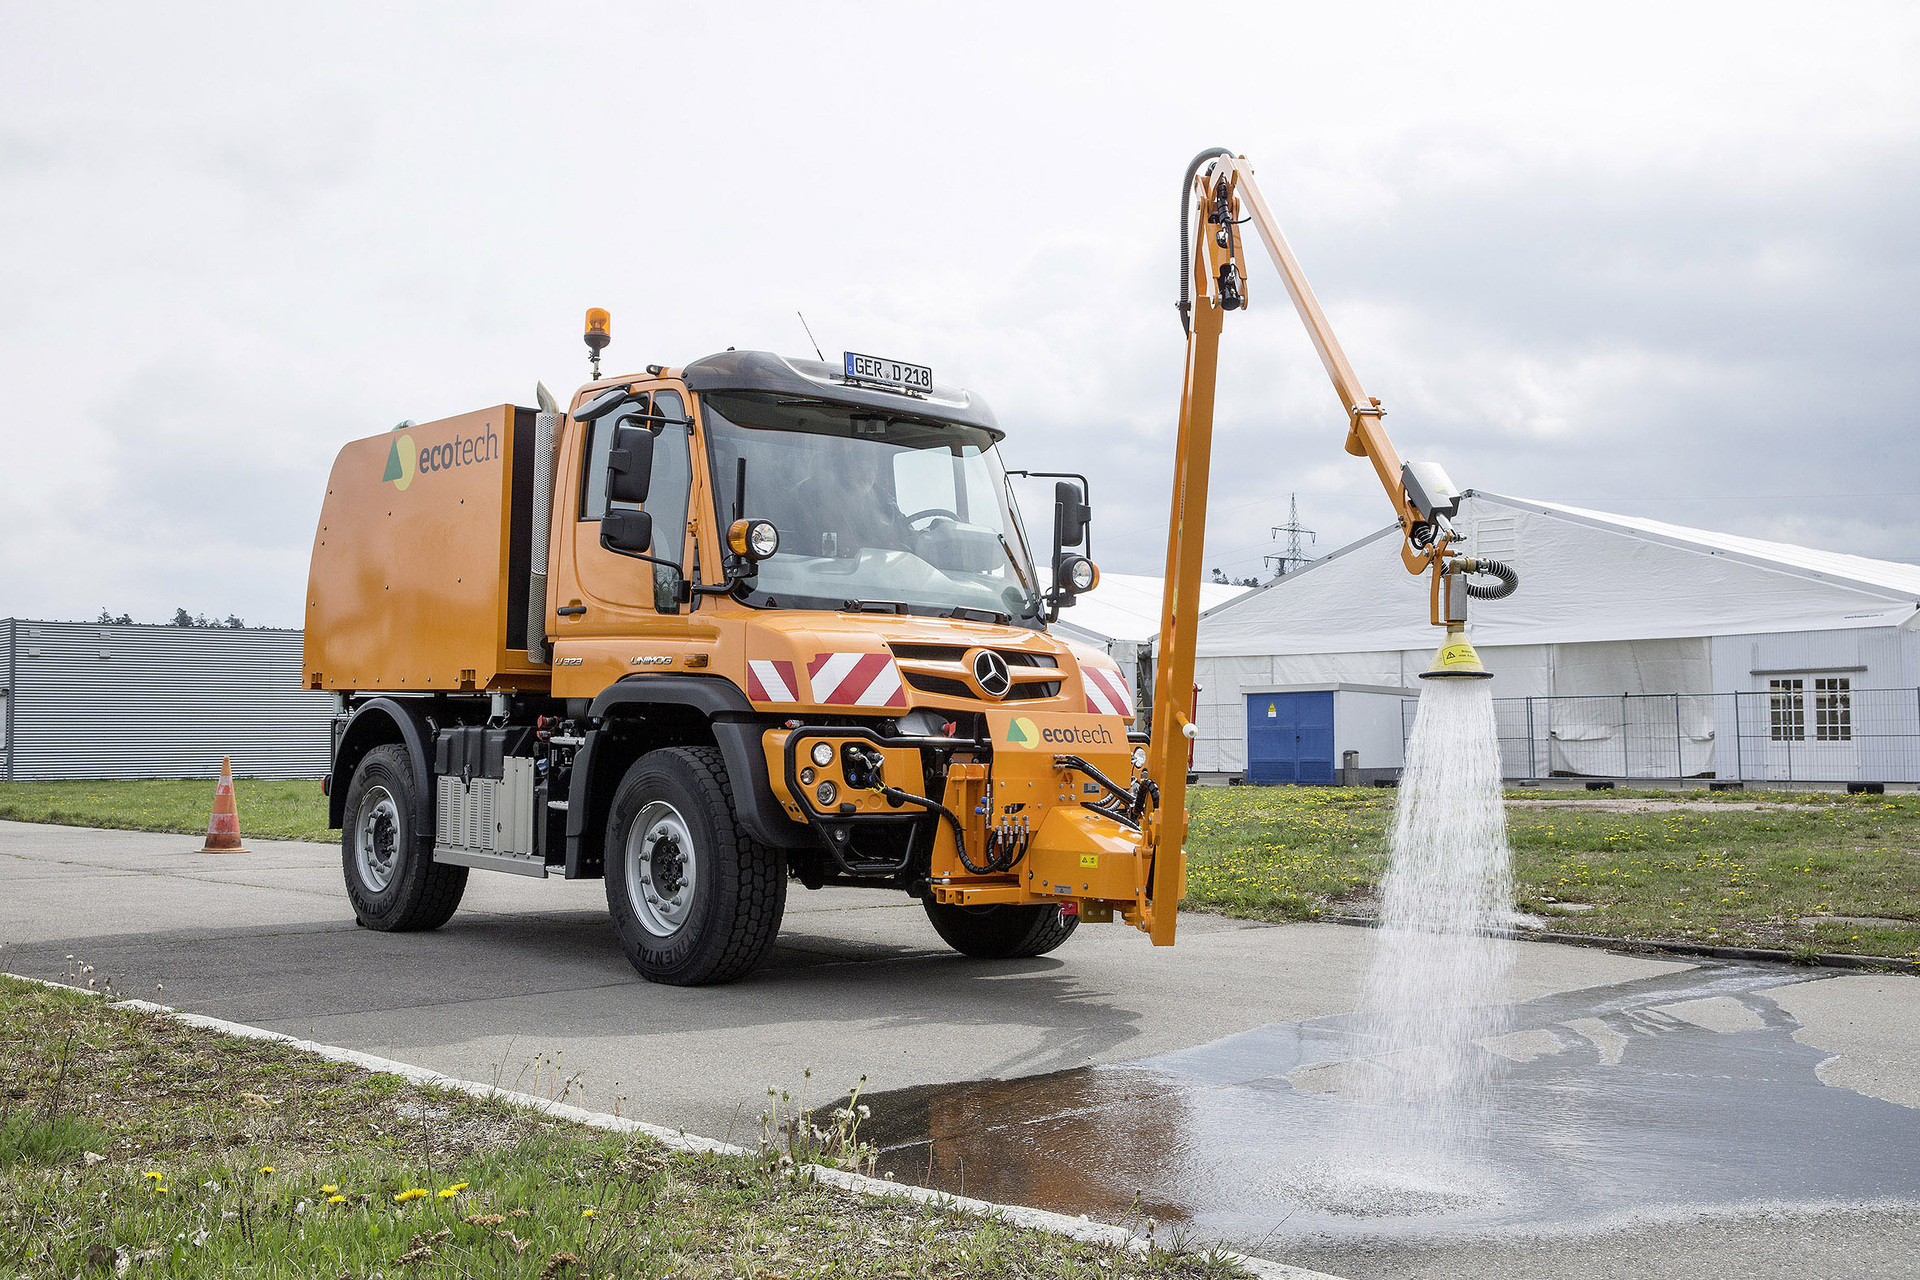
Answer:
[(1756, 650), (1121, 618)]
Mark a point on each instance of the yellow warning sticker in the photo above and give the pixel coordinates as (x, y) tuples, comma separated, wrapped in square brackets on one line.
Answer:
[(1089, 859)]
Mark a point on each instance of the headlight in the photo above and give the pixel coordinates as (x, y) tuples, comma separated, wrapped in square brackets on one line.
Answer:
[(1139, 757), (1080, 574), (754, 539), (822, 754), (826, 793), (806, 777)]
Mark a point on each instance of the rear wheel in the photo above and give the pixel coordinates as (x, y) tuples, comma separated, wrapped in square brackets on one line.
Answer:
[(695, 899), (393, 883), (1001, 932)]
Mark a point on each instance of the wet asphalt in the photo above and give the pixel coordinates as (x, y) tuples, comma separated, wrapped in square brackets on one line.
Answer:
[(1645, 1117)]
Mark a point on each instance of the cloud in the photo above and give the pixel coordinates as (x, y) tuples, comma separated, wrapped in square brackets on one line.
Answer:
[(1576, 261)]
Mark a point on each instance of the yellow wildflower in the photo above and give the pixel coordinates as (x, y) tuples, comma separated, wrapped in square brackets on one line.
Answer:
[(328, 1190), (155, 1175), (266, 1168), (453, 1191), (336, 1199), (586, 1213), (411, 1193)]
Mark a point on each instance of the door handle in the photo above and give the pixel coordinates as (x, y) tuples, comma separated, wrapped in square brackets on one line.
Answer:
[(570, 610)]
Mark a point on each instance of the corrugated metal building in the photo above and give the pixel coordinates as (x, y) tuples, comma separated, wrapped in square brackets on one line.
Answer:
[(94, 700)]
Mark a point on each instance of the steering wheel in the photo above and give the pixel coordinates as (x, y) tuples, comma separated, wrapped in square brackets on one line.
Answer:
[(933, 511)]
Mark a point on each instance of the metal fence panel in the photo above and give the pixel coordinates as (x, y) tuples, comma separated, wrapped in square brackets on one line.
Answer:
[(1811, 731)]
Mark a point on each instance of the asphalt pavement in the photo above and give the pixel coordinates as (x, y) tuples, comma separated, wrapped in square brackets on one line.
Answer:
[(527, 988)]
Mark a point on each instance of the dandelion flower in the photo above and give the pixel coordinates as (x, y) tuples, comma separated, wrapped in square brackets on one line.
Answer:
[(336, 1199), (154, 1174), (586, 1213), (453, 1191), (266, 1168), (411, 1193), (328, 1190)]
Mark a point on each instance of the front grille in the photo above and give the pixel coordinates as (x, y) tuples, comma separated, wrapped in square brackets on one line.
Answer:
[(937, 669), (941, 685)]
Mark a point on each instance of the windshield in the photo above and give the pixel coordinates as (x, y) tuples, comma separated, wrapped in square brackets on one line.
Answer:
[(874, 509)]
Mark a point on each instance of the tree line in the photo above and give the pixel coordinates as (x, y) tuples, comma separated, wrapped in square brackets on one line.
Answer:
[(181, 618)]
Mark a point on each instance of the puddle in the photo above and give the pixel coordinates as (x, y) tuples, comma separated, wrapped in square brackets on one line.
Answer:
[(1682, 1093)]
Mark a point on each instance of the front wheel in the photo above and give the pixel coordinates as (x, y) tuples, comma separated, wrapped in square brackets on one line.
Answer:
[(393, 883), (695, 899), (1001, 932)]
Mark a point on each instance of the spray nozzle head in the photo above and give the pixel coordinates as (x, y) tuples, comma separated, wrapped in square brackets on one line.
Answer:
[(1457, 659)]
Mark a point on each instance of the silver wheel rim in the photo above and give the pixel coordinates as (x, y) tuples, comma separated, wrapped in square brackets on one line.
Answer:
[(376, 839), (663, 869)]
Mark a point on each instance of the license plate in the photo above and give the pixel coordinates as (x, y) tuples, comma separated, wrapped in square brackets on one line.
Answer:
[(891, 373)]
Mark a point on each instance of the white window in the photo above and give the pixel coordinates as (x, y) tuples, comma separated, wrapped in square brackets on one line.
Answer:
[(1787, 709), (1833, 709)]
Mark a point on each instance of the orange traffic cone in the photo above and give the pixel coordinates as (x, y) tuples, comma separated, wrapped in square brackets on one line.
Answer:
[(223, 828)]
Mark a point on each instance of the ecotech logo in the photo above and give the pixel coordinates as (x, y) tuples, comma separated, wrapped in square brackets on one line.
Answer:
[(405, 458), (1024, 733)]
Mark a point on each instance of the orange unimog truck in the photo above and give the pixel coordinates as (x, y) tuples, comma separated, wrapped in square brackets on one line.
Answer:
[(755, 617), (711, 628)]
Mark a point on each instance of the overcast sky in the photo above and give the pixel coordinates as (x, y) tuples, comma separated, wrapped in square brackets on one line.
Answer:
[(1655, 259)]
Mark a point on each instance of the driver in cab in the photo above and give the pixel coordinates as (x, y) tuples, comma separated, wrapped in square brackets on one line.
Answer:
[(847, 502)]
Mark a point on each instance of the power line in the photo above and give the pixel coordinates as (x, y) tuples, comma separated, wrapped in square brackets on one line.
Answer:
[(1295, 556)]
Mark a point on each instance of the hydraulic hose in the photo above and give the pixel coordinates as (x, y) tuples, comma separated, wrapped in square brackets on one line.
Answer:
[(1186, 244), (959, 836), (1508, 584)]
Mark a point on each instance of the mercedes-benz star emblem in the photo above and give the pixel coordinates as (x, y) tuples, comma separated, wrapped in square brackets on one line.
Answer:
[(990, 673)]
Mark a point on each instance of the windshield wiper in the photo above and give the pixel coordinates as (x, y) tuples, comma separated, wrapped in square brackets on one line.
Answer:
[(1032, 595), (875, 606), (967, 613)]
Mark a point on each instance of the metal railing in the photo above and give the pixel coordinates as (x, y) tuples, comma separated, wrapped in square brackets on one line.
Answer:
[(1799, 735)]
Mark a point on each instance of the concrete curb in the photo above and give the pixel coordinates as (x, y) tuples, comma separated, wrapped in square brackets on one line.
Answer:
[(1082, 1228), (1837, 960)]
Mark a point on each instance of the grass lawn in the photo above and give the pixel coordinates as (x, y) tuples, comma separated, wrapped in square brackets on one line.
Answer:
[(278, 810), (133, 1144), (1715, 873)]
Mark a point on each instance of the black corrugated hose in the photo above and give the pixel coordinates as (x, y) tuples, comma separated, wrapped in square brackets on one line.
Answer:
[(1186, 244), (1509, 580)]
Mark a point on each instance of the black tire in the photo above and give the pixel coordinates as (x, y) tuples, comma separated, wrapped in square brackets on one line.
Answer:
[(397, 886), (1001, 932), (688, 920)]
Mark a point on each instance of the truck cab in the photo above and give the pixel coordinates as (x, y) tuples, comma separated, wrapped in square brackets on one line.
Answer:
[(710, 630)]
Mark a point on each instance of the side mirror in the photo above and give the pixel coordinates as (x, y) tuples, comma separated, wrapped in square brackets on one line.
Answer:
[(628, 532), (1070, 515), (1070, 518), (629, 465)]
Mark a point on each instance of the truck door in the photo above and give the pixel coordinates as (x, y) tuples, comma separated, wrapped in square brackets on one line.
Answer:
[(622, 595)]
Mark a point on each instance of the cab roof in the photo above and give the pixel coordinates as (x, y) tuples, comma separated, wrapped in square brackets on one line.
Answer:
[(766, 372)]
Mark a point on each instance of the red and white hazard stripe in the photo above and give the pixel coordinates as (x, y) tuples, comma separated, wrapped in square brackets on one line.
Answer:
[(1107, 692), (771, 681), (856, 680)]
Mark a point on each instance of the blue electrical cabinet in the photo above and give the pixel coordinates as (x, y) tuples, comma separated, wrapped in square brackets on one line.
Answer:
[(1290, 737)]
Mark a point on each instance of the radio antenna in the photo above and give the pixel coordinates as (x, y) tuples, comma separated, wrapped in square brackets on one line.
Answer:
[(810, 338)]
